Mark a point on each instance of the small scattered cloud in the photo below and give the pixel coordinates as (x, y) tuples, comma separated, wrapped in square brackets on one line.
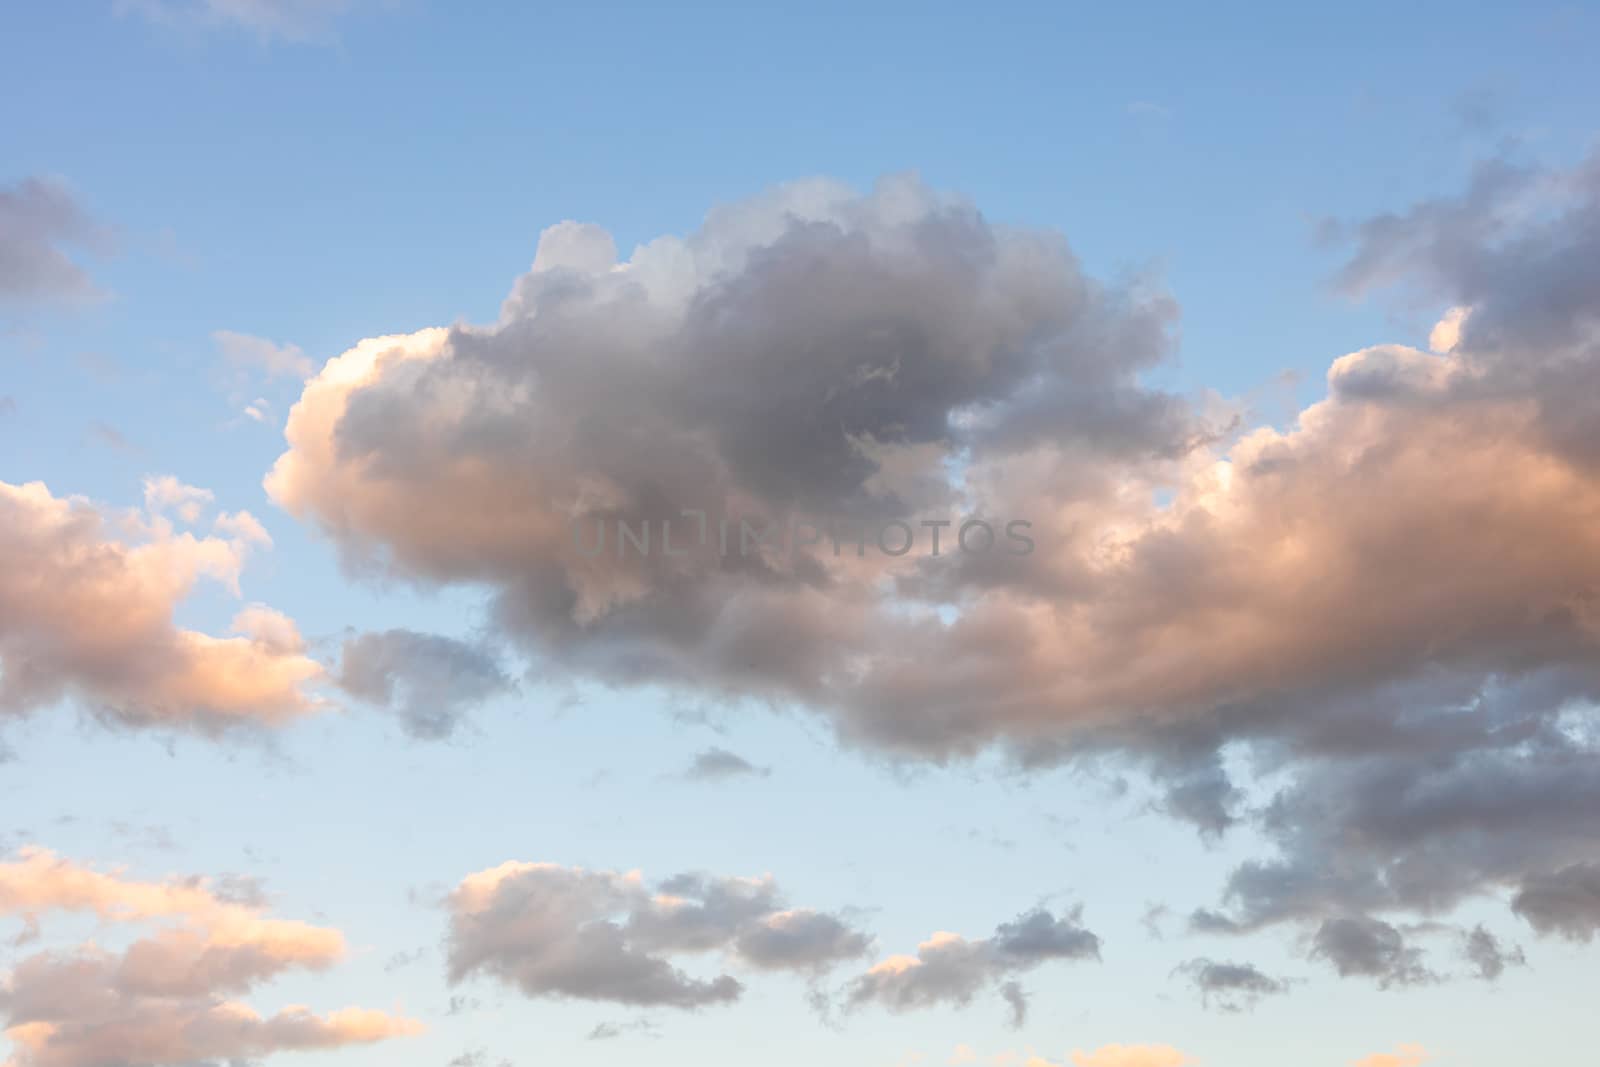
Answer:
[(478, 1057), (1489, 958), (1228, 986), (949, 969), (1402, 1056), (1366, 946), (108, 435), (165, 493), (274, 360), (610, 1031), (570, 933), (40, 221), (297, 21), (430, 683), (401, 960), (719, 765), (1131, 1056)]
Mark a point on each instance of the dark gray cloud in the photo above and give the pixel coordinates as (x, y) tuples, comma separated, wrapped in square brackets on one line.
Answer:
[(1203, 795), (431, 683), (40, 220), (1363, 945), (718, 764), (554, 931), (1402, 808), (1038, 935), (1565, 901), (950, 969), (1228, 986), (800, 940)]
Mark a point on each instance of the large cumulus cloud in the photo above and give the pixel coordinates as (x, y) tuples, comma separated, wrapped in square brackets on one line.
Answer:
[(1460, 757), (1389, 603), (812, 353)]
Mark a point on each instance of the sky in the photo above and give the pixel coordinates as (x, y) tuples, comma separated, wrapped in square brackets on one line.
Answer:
[(1243, 357)]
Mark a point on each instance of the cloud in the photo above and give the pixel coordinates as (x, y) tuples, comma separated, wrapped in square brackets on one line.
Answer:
[(39, 221), (718, 764), (167, 997), (37, 881), (163, 1032), (950, 969), (471, 454), (1517, 248), (290, 20), (1232, 987), (1131, 1056), (478, 1058), (1403, 1056), (800, 940), (1426, 776), (1202, 795), (566, 932), (429, 682), (1016, 999), (1565, 902), (1386, 606), (166, 493), (1484, 951), (256, 353), (106, 434), (609, 1031), (258, 410), (1362, 945), (86, 605)]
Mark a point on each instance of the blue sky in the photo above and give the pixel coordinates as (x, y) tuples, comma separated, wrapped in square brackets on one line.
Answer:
[(390, 166)]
